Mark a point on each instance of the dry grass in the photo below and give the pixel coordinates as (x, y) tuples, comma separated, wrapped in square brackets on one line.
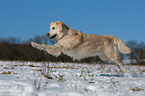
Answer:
[(37, 81), (9, 72), (46, 71), (136, 89)]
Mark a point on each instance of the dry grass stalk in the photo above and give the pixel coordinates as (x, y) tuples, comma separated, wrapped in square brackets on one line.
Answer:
[(60, 77), (36, 80), (136, 89), (9, 72), (113, 83)]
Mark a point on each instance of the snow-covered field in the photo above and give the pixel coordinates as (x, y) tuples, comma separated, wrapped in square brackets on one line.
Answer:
[(69, 79)]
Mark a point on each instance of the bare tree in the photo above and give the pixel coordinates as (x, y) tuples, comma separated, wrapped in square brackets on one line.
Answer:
[(41, 40), (132, 45), (47, 40), (38, 39), (121, 55), (11, 40), (137, 51)]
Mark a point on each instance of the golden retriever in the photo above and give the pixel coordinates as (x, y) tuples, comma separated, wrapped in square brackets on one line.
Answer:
[(79, 45)]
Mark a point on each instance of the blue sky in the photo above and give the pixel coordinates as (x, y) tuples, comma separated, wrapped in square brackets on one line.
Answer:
[(24, 19)]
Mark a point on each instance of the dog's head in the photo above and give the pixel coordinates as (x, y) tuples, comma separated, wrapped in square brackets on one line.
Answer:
[(57, 30)]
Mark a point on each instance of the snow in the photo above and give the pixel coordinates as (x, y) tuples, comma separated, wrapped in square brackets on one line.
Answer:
[(69, 79)]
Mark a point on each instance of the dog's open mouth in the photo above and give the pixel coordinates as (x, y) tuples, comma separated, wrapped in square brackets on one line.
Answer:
[(54, 36)]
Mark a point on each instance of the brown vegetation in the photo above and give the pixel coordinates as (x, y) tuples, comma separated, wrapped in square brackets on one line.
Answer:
[(27, 53), (12, 49)]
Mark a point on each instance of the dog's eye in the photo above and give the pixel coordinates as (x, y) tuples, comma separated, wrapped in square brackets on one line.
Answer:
[(53, 28)]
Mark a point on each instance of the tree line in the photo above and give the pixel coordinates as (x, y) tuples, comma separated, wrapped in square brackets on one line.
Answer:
[(12, 49), (137, 52)]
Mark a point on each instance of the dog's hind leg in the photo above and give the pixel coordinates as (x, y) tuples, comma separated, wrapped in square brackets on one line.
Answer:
[(121, 65), (104, 57), (117, 67), (111, 53)]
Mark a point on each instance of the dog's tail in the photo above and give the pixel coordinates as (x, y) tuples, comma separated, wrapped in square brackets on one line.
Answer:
[(119, 44)]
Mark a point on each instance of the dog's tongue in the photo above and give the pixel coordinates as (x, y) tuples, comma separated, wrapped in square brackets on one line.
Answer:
[(52, 37)]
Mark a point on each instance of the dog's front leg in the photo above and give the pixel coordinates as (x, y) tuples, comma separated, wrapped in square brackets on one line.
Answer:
[(47, 47), (40, 46), (55, 50), (54, 53)]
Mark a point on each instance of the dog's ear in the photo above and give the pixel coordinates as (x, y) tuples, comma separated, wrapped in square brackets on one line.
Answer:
[(79, 35), (64, 27)]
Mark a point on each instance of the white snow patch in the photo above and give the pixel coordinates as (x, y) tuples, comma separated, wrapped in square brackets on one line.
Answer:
[(79, 80)]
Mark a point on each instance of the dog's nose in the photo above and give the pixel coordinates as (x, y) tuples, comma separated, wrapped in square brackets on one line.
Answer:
[(47, 34)]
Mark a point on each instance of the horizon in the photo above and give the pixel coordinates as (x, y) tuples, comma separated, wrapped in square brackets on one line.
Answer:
[(27, 19)]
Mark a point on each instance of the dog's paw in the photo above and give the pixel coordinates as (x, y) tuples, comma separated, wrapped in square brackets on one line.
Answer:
[(38, 46), (34, 44)]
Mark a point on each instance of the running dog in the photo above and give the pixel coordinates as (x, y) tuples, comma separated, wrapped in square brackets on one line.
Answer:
[(79, 45)]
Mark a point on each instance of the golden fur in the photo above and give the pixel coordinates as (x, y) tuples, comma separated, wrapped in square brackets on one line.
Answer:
[(79, 45)]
